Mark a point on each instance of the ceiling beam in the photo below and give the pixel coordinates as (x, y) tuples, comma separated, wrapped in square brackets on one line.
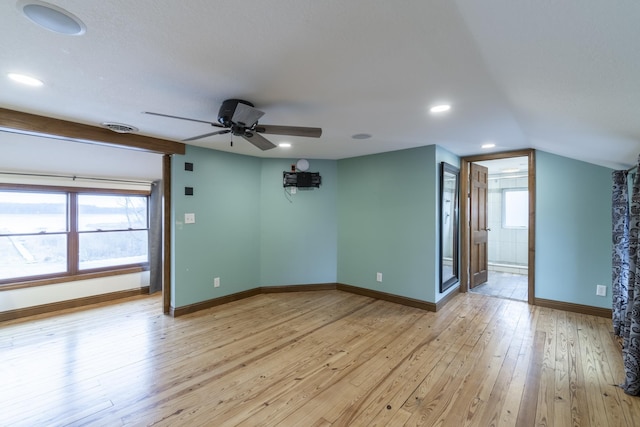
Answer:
[(47, 127)]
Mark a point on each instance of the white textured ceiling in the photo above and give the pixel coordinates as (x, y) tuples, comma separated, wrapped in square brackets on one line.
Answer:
[(560, 76)]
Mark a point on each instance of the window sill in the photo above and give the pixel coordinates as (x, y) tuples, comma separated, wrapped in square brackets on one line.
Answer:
[(66, 279)]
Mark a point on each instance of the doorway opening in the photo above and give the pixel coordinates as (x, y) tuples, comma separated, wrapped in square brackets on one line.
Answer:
[(497, 225)]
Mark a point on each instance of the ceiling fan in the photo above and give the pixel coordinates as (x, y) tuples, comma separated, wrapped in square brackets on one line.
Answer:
[(240, 118)]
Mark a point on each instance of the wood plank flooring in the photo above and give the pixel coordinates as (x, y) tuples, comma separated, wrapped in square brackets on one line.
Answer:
[(324, 358)]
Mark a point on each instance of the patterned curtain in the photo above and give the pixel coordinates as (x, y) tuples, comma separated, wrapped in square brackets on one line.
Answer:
[(620, 279), (626, 286)]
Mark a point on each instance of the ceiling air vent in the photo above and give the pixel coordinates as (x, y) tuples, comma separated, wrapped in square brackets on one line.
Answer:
[(120, 128)]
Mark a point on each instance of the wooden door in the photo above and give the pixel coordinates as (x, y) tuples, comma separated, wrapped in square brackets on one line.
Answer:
[(478, 225)]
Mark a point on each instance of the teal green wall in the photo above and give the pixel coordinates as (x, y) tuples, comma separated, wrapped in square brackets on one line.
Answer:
[(372, 214), (298, 231), (573, 230), (247, 231), (224, 241), (387, 221)]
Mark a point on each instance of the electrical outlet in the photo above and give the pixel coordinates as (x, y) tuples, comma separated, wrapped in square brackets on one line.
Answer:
[(189, 218), (601, 290), (294, 190), (216, 282), (378, 277)]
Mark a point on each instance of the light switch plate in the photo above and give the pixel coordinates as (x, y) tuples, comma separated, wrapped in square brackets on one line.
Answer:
[(601, 290), (189, 218)]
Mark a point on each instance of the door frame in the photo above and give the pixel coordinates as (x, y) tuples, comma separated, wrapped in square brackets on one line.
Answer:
[(465, 215)]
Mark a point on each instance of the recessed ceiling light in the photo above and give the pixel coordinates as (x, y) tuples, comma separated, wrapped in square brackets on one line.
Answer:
[(361, 136), (441, 108), (25, 80), (488, 145), (284, 145), (52, 18)]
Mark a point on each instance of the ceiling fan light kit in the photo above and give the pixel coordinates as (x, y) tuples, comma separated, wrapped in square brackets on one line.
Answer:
[(240, 118)]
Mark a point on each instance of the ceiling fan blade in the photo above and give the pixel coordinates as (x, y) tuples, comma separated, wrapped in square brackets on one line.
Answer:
[(289, 130), (183, 118), (246, 115), (220, 132), (259, 141)]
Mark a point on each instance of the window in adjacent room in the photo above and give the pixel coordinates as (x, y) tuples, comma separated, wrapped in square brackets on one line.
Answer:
[(515, 208)]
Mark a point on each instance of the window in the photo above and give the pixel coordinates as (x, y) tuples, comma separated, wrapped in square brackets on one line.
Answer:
[(515, 208), (112, 230), (52, 233), (33, 234)]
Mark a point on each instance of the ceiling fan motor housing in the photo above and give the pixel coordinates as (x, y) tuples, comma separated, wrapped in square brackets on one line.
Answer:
[(227, 109)]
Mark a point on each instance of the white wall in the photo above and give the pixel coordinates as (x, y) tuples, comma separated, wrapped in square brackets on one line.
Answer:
[(22, 153), (39, 295), (34, 155), (506, 245)]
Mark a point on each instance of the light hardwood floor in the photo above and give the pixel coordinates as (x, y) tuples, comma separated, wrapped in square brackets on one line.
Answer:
[(325, 358)]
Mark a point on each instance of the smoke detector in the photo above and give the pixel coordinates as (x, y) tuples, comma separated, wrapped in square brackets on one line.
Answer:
[(120, 128)]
